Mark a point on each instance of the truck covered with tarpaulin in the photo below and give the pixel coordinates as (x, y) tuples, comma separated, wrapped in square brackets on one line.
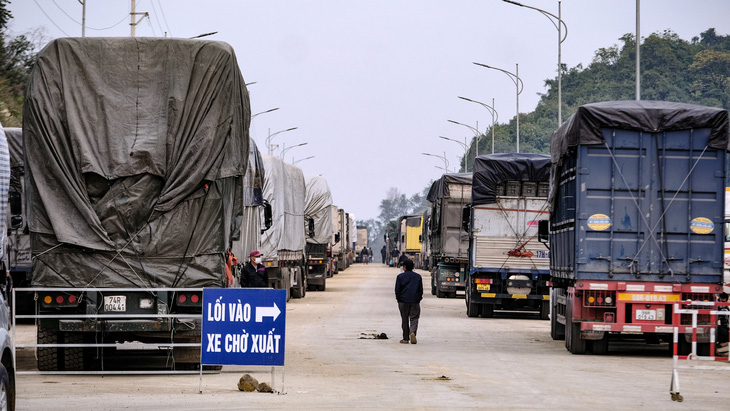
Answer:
[(135, 150), (318, 215)]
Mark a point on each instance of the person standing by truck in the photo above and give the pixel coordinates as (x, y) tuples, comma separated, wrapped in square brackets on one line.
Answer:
[(383, 254), (254, 273), (364, 255), (409, 293)]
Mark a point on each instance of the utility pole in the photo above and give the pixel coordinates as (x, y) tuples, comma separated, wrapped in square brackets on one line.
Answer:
[(638, 50), (83, 17), (132, 15)]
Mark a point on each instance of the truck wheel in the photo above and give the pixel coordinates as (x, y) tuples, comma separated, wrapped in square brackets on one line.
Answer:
[(545, 310), (323, 286), (472, 309), (73, 357), (573, 342), (487, 310), (600, 347), (557, 330), (47, 356), (7, 390)]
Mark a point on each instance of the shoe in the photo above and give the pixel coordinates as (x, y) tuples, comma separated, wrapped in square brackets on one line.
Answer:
[(413, 338), (404, 341)]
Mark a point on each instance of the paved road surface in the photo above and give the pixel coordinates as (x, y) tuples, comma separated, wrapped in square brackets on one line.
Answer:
[(508, 362)]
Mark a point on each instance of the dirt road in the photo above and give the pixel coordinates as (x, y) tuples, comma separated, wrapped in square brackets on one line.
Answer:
[(508, 362)]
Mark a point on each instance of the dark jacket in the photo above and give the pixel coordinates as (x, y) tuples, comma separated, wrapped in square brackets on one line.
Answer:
[(364, 251), (254, 276), (408, 287)]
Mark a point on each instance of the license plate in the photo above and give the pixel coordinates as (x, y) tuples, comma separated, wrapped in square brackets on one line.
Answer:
[(646, 315), (482, 287), (116, 303)]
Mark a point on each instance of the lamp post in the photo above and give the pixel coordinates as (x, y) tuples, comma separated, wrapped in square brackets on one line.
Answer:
[(518, 86), (271, 136), (466, 151), (285, 149), (492, 111), (558, 25), (466, 146), (264, 112), (304, 159), (446, 162)]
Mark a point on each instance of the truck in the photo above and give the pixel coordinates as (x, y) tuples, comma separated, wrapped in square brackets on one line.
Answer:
[(637, 202), (318, 210), (409, 236), (444, 232), (7, 347), (426, 241), (132, 182), (257, 212), (338, 240), (282, 245), (508, 267), (362, 241), (18, 239), (351, 238)]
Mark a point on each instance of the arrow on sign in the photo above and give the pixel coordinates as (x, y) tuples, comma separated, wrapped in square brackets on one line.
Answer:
[(262, 312)]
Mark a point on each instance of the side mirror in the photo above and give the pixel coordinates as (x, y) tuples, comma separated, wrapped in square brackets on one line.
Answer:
[(15, 200), (337, 238), (310, 227), (420, 238), (543, 232), (466, 218), (16, 222), (268, 216)]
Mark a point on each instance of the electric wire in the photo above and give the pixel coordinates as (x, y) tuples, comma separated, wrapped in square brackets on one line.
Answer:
[(164, 18), (154, 11), (49, 18), (79, 23)]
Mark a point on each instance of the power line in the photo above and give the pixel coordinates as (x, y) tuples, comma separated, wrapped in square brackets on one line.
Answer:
[(154, 11), (72, 19), (164, 18), (49, 18)]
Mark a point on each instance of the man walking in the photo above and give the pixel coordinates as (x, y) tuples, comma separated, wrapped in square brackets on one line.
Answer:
[(408, 293), (383, 253)]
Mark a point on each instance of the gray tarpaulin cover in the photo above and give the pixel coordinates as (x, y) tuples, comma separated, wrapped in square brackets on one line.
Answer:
[(494, 169), (318, 205), (135, 150), (584, 127), (15, 146), (440, 187), (253, 199), (284, 188)]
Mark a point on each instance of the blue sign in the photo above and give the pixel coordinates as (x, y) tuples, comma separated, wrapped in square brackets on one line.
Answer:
[(243, 326)]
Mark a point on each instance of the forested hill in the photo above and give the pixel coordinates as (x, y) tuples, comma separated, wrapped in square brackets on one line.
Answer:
[(672, 69)]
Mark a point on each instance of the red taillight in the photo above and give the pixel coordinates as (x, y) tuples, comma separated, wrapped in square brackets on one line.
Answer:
[(59, 299), (194, 298), (482, 281), (71, 299), (182, 298)]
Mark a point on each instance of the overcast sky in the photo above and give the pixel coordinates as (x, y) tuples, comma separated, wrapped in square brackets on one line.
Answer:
[(370, 84)]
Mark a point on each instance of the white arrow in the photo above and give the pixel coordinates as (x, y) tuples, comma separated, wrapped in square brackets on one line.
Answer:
[(262, 312)]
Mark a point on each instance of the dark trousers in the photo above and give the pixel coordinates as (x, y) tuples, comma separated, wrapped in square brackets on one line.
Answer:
[(409, 314)]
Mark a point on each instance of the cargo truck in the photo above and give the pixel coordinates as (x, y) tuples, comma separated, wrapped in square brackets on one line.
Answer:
[(317, 214), (18, 239), (637, 202), (338, 240), (425, 241), (448, 240), (409, 237), (362, 241), (508, 267), (135, 151), (282, 246)]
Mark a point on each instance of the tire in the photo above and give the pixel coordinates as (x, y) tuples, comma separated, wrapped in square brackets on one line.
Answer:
[(73, 357), (487, 310), (440, 294), (600, 347), (322, 287), (472, 309), (47, 356), (7, 390), (573, 342), (545, 310), (557, 330)]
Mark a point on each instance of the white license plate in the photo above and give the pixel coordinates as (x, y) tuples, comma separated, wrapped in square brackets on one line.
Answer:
[(646, 315), (116, 303)]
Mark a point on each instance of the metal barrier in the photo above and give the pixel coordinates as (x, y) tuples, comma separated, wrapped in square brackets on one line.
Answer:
[(161, 346), (695, 309)]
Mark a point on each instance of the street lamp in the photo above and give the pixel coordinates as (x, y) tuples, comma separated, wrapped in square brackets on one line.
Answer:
[(285, 149), (465, 145), (518, 86), (264, 112), (466, 151), (559, 25), (304, 159), (491, 110), (446, 162), (271, 136)]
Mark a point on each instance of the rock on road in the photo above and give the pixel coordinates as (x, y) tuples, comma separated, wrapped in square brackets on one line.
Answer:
[(508, 362)]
